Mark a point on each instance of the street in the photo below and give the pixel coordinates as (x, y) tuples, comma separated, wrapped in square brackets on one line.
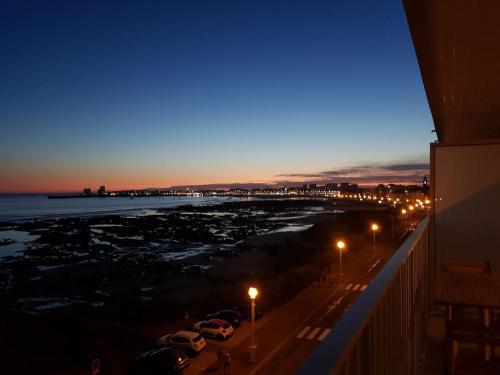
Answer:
[(288, 335)]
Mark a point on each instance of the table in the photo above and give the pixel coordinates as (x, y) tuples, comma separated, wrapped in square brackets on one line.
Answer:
[(478, 290)]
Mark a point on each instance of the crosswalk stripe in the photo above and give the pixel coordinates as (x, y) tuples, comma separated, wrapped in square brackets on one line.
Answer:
[(363, 287), (303, 332), (324, 334), (356, 287), (313, 333), (348, 287)]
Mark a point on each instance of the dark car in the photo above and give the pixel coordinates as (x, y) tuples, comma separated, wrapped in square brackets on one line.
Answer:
[(161, 361), (231, 316), (246, 312)]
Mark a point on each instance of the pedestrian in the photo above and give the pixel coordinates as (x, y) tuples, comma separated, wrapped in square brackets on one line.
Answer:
[(227, 362), (95, 366), (220, 358)]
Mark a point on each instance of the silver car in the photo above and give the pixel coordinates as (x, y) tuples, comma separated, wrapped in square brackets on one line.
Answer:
[(184, 340)]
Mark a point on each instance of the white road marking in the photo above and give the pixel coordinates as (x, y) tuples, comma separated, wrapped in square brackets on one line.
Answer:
[(356, 287), (313, 333), (363, 287), (348, 287), (331, 307), (324, 334), (373, 265), (303, 332)]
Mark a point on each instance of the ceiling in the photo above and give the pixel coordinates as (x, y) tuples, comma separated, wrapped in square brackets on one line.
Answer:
[(458, 50)]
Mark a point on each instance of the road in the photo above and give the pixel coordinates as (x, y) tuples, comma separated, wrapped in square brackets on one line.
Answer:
[(292, 352), (286, 337)]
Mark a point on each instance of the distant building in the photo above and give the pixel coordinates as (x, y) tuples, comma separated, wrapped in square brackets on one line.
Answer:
[(312, 186), (381, 189), (101, 192), (353, 188), (87, 192), (344, 187), (331, 186)]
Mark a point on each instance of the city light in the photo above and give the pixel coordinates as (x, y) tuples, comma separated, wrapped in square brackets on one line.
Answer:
[(374, 227), (252, 292)]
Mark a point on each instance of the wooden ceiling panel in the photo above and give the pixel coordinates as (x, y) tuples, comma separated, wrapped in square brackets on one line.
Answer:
[(457, 43)]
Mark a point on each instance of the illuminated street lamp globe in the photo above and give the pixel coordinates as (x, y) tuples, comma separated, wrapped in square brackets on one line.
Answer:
[(252, 292), (340, 245), (374, 227), (403, 211)]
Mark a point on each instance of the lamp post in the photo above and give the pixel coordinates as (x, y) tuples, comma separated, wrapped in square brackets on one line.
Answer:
[(252, 292), (374, 230), (411, 208), (340, 246)]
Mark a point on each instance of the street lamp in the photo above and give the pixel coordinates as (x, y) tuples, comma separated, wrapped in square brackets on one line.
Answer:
[(252, 292), (340, 246), (374, 230), (403, 212)]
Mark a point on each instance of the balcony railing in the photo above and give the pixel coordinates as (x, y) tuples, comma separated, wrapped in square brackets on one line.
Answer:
[(383, 332)]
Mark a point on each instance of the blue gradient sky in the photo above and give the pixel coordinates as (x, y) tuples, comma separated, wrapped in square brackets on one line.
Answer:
[(141, 94)]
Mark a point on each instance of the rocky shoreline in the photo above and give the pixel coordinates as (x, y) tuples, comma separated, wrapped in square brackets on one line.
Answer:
[(96, 260)]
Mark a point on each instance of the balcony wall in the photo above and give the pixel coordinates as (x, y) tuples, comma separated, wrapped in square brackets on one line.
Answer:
[(384, 330), (466, 185)]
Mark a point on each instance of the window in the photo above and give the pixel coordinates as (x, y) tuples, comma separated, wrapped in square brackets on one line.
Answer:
[(197, 338)]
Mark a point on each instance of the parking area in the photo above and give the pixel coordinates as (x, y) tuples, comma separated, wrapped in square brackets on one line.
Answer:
[(208, 357)]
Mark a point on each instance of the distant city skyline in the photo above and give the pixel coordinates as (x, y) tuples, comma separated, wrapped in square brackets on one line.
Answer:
[(134, 95)]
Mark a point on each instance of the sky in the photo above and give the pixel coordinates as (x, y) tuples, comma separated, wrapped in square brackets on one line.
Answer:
[(138, 94)]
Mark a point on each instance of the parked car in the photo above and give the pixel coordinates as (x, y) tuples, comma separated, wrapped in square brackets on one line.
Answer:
[(214, 328), (160, 361), (231, 316), (186, 341), (246, 312)]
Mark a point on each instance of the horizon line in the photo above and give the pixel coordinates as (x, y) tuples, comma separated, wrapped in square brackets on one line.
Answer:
[(217, 186)]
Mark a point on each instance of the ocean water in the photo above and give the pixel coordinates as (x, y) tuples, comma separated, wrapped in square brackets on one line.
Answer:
[(34, 206)]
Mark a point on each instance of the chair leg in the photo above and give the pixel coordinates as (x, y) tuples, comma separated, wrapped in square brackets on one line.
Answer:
[(451, 353)]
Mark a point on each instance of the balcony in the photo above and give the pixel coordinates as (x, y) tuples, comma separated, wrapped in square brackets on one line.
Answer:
[(401, 326)]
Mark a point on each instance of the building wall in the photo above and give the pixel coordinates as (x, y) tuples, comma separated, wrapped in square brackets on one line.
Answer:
[(466, 190)]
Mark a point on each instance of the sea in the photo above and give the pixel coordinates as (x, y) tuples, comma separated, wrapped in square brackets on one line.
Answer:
[(24, 207)]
